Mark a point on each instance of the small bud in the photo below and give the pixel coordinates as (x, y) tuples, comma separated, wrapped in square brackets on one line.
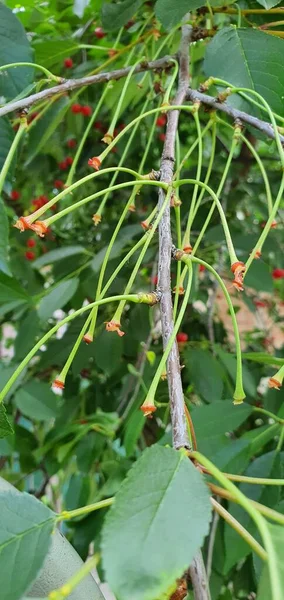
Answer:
[(107, 139), (175, 201), (114, 326), (204, 87), (150, 298), (23, 224), (181, 290), (95, 162), (276, 380), (132, 208), (97, 219), (148, 407), (257, 254), (58, 383), (164, 375), (222, 96), (146, 225), (88, 338)]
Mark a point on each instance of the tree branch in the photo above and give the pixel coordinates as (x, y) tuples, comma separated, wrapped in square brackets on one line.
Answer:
[(178, 419), (180, 435), (262, 126), (68, 85)]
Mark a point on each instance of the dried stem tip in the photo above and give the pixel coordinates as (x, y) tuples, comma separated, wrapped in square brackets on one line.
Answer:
[(96, 219), (148, 407), (238, 268), (95, 162), (88, 338), (114, 326), (58, 383)]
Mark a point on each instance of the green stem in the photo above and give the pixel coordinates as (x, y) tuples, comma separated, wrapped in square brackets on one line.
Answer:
[(268, 414), (11, 153), (260, 522), (131, 298), (231, 250), (259, 162), (254, 480), (36, 66), (65, 590), (251, 541), (280, 441), (186, 237), (209, 169), (239, 393), (121, 98), (112, 188), (192, 147), (166, 98), (267, 226), (65, 515), (155, 382)]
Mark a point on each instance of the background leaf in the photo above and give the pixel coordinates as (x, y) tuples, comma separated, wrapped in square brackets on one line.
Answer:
[(6, 139), (156, 501), (36, 400), (57, 298), (5, 427), (25, 532), (248, 58), (14, 47), (4, 240), (204, 374), (115, 16)]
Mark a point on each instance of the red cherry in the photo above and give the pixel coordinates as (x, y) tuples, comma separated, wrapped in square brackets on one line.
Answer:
[(129, 24), (182, 337), (71, 143), (161, 121), (58, 184), (278, 273), (69, 161), (86, 111), (76, 108), (99, 33), (30, 255), (98, 125), (68, 63), (62, 165), (260, 303), (201, 268), (15, 195), (31, 243), (162, 137), (154, 280)]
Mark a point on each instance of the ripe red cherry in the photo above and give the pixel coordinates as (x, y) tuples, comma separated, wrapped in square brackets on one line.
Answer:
[(182, 337), (15, 195), (201, 268), (30, 255), (98, 125), (71, 143), (278, 273), (69, 161), (76, 108), (162, 137), (59, 184), (99, 33), (86, 111), (154, 279), (161, 121), (62, 165), (68, 63), (31, 243)]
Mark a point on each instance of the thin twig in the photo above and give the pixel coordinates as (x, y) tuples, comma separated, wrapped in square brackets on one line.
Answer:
[(262, 126), (178, 419), (68, 85), (211, 543)]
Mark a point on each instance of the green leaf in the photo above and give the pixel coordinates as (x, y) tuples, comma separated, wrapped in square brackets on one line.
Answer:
[(157, 501), (11, 290), (268, 3), (115, 16), (125, 236), (170, 13), (248, 58), (14, 47), (267, 465), (36, 401), (6, 138), (108, 344), (25, 533), (220, 417), (58, 254), (57, 298), (54, 51), (263, 358), (4, 239), (276, 533), (5, 427), (230, 363), (204, 373), (45, 127), (27, 331), (259, 275)]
